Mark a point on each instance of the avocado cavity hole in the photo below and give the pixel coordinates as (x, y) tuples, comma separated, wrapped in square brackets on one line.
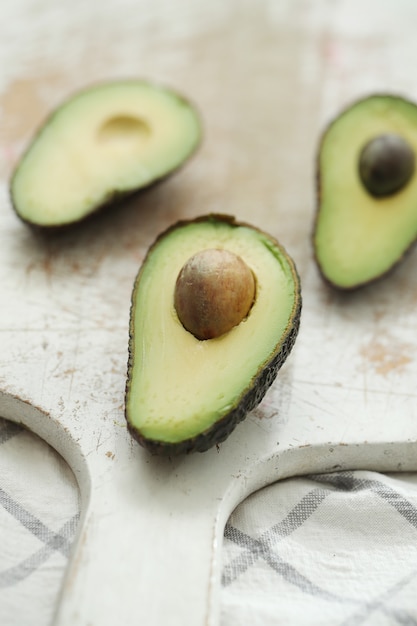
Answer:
[(124, 131), (214, 292)]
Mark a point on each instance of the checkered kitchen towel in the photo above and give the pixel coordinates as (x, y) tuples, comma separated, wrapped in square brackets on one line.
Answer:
[(333, 549), (337, 549), (38, 518)]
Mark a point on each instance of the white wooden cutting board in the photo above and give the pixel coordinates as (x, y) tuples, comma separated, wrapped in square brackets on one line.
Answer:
[(266, 77)]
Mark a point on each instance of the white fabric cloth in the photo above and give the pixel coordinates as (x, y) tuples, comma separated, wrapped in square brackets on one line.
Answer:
[(337, 549)]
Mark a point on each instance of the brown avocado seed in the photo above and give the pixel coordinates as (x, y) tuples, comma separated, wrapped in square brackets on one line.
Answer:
[(214, 292), (386, 164)]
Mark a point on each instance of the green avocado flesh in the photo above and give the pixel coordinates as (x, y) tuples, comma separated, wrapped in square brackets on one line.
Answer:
[(184, 394), (358, 236), (105, 142)]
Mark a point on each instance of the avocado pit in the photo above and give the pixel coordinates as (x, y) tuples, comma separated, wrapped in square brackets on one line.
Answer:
[(214, 292), (386, 164)]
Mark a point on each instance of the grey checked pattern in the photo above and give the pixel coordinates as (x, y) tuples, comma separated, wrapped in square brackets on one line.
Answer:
[(37, 561), (268, 538), (265, 547)]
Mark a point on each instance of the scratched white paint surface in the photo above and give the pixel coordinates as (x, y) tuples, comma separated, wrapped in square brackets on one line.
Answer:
[(266, 76)]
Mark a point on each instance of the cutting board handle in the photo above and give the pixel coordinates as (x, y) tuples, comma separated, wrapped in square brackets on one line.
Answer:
[(147, 552)]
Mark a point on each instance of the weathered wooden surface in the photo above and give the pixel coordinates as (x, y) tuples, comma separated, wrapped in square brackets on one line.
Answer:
[(266, 77)]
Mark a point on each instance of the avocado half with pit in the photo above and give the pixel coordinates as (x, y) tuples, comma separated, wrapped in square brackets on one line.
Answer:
[(107, 141), (215, 312), (367, 191)]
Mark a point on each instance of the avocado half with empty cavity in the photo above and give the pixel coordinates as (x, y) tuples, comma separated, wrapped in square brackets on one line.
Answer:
[(215, 312), (367, 191), (107, 141)]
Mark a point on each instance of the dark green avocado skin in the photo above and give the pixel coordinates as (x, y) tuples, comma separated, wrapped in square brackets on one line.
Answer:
[(221, 429)]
